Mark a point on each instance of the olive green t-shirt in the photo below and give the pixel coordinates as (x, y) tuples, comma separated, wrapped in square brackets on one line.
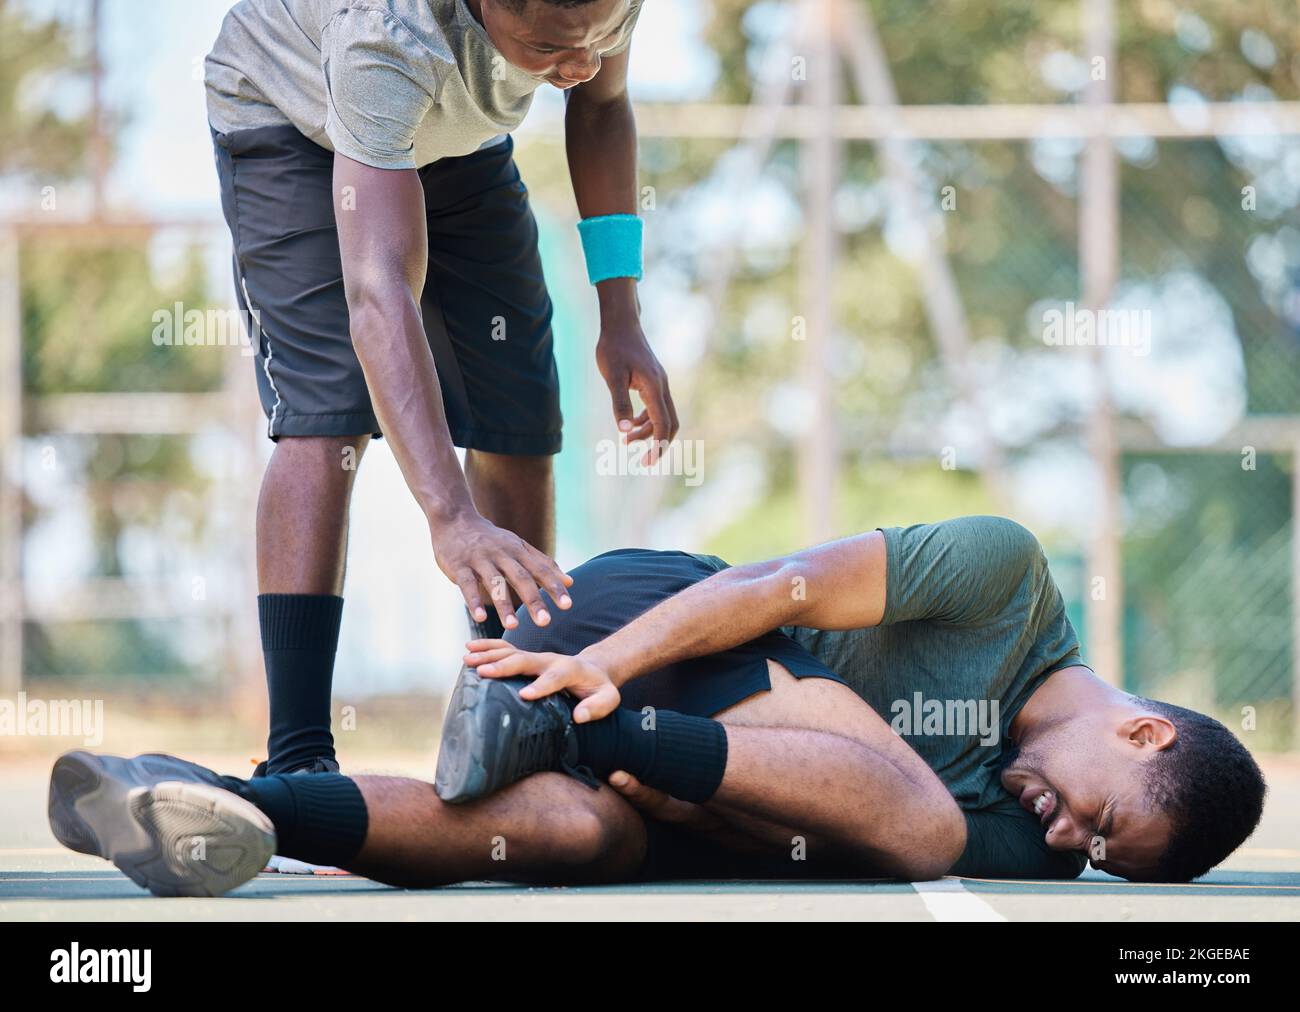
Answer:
[(973, 624)]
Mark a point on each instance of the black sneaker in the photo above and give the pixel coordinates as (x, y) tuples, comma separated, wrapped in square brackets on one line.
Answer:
[(321, 765), (170, 825), (491, 738)]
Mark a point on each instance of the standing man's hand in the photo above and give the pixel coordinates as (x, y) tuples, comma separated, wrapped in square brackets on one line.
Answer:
[(626, 362), (600, 140), (487, 562)]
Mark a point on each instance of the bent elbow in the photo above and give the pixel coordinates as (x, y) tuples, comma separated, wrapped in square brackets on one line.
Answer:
[(783, 589)]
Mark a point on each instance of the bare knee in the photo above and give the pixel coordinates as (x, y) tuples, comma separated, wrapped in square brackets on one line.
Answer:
[(935, 842), (588, 838), (598, 834), (501, 467), (603, 836), (925, 833), (321, 455)]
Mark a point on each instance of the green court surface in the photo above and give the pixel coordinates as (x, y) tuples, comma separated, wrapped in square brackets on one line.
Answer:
[(41, 881)]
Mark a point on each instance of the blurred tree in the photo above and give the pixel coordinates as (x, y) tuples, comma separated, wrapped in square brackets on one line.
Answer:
[(1206, 576), (38, 56), (1013, 243), (88, 307), (1012, 240), (88, 317)]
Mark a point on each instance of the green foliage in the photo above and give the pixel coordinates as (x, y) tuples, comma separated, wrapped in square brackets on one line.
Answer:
[(879, 494), (103, 653), (1207, 580), (88, 305), (1207, 573), (35, 58), (88, 321)]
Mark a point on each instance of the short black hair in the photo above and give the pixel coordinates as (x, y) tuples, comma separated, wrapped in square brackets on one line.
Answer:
[(1209, 786)]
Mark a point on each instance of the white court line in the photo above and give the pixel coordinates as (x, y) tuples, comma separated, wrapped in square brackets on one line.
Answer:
[(948, 900)]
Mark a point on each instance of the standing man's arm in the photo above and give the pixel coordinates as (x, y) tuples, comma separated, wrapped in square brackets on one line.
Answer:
[(600, 138), (385, 253)]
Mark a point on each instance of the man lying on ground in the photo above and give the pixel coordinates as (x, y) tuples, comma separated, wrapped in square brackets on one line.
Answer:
[(752, 733)]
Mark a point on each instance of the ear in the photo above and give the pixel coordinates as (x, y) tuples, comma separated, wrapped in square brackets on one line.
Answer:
[(1148, 731)]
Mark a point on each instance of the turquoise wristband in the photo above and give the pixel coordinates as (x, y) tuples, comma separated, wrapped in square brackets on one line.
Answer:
[(612, 245)]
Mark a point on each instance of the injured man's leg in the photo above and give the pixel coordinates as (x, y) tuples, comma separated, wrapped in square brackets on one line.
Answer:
[(806, 760), (178, 829), (805, 768), (810, 760)]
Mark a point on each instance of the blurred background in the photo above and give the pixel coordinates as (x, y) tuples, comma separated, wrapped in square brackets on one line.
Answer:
[(863, 219)]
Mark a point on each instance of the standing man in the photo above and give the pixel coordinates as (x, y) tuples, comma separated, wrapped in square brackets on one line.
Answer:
[(387, 256)]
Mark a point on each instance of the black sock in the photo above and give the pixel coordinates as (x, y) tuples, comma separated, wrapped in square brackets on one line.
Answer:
[(319, 818), (300, 634), (682, 755)]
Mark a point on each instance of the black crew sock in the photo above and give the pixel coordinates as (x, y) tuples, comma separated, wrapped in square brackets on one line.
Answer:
[(319, 818), (673, 752), (300, 634)]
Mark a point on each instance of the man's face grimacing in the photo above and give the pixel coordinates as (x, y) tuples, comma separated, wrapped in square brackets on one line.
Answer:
[(1085, 778), (555, 41), (1144, 789)]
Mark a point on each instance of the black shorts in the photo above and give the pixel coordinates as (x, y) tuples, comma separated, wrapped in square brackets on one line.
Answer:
[(487, 313), (611, 590)]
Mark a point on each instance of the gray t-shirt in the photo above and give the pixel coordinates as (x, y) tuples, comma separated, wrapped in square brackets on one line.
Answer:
[(395, 84), (972, 619)]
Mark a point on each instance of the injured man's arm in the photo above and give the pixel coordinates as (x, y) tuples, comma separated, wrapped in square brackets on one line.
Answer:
[(838, 585)]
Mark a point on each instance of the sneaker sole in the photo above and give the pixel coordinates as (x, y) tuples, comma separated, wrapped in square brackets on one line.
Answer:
[(279, 865), (460, 777), (173, 838)]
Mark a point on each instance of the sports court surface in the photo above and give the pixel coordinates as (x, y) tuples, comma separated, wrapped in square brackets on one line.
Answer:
[(41, 881)]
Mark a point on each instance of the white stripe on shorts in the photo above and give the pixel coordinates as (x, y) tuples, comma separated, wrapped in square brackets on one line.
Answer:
[(266, 359)]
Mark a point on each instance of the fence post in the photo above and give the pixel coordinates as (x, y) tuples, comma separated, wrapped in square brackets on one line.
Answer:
[(1098, 265), (1295, 594), (11, 502)]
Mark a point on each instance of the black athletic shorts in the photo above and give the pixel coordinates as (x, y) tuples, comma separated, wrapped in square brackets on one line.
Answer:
[(486, 310), (611, 590)]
